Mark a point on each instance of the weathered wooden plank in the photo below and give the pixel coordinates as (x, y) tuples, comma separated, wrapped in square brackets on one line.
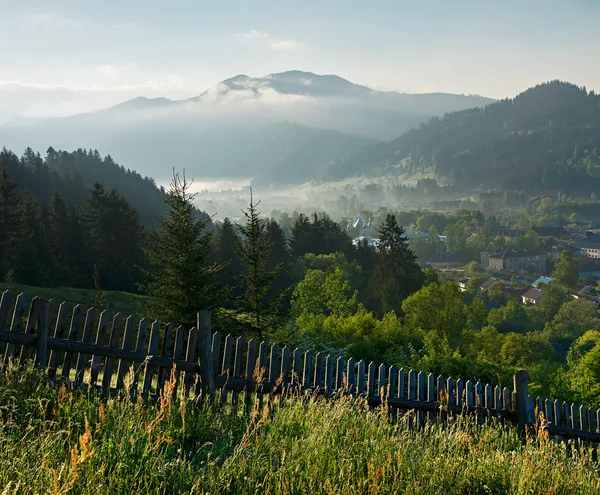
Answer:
[(339, 373), (205, 382), (61, 319), (488, 393), (83, 360), (549, 410), (451, 392), (16, 324), (575, 417), (361, 379), (30, 326), (531, 409), (479, 399), (152, 350), (227, 350), (178, 354), (371, 387), (237, 366), (190, 357), (41, 349), (307, 369), (216, 352), (539, 407), (140, 345), (73, 333), (583, 421), (274, 365), (5, 304), (412, 385), (350, 376), (164, 352), (392, 386), (497, 398), (286, 364), (381, 388), (328, 374), (127, 343), (115, 336), (96, 362), (557, 412), (260, 374), (422, 394), (318, 381), (297, 367), (249, 372), (566, 414), (469, 397), (506, 399), (460, 392)]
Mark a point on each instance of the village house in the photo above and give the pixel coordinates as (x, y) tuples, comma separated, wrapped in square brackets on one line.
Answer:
[(515, 260), (532, 297)]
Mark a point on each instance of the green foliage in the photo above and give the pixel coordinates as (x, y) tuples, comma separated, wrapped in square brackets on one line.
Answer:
[(566, 270), (573, 319), (182, 280), (59, 441)]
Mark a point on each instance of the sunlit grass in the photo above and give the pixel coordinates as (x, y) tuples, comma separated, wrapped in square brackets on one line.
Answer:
[(53, 440)]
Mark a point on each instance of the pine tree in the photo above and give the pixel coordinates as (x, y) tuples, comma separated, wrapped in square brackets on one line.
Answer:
[(257, 277), (396, 273), (182, 279), (33, 260), (11, 227), (279, 255), (225, 252)]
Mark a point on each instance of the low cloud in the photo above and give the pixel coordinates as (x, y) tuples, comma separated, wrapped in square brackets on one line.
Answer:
[(263, 38)]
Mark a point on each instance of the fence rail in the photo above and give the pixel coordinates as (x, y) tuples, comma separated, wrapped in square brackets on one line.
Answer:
[(86, 350)]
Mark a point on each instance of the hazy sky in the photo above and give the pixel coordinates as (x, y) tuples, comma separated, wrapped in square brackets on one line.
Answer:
[(68, 56)]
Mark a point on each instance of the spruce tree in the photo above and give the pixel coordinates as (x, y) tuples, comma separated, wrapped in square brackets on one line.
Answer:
[(181, 276), (396, 273), (225, 252), (257, 276), (11, 226)]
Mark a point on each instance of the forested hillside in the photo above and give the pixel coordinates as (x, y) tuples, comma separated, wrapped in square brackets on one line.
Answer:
[(548, 137), (71, 174)]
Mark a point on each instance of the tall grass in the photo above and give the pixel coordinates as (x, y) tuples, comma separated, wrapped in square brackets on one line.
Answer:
[(56, 441)]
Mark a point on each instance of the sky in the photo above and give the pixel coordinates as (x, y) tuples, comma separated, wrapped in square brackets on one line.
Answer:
[(70, 56)]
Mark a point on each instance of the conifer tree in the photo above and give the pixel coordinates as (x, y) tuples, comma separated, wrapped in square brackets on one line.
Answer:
[(182, 278), (257, 276), (225, 252), (11, 227), (396, 273)]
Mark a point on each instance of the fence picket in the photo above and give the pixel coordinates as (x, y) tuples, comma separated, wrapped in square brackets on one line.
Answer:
[(381, 389), (318, 381), (450, 392), (140, 344), (583, 421), (422, 394), (215, 349), (469, 398), (237, 366), (32, 322), (127, 341), (117, 329), (575, 417), (460, 393), (371, 387), (392, 388), (329, 374), (285, 365), (164, 352), (297, 367), (96, 361), (5, 304), (249, 375), (557, 414), (177, 355), (549, 410), (489, 397), (73, 332), (566, 413), (262, 369), (83, 360), (58, 333), (307, 369), (497, 398), (506, 399), (430, 393), (360, 382), (15, 325), (339, 373), (152, 350), (350, 378)]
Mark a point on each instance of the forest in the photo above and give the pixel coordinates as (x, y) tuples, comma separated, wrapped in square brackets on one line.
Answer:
[(544, 138), (301, 281)]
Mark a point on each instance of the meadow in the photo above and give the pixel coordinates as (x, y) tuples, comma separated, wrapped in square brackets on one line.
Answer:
[(55, 440)]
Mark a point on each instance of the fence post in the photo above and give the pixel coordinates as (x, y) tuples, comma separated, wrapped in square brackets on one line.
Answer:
[(41, 343), (207, 372), (521, 382)]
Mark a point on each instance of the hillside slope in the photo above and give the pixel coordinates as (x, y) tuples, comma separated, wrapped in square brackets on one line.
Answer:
[(278, 128), (547, 137)]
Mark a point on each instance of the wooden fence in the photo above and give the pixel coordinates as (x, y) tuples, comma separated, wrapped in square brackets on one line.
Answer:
[(86, 349)]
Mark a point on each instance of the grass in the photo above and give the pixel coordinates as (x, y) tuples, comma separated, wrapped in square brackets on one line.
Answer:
[(56, 441), (115, 301)]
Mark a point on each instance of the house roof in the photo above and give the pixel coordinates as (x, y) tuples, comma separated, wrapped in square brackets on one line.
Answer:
[(587, 245), (514, 253), (541, 280), (534, 294), (488, 283)]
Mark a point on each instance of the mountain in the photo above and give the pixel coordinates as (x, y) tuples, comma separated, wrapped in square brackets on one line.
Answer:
[(280, 128), (547, 137)]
